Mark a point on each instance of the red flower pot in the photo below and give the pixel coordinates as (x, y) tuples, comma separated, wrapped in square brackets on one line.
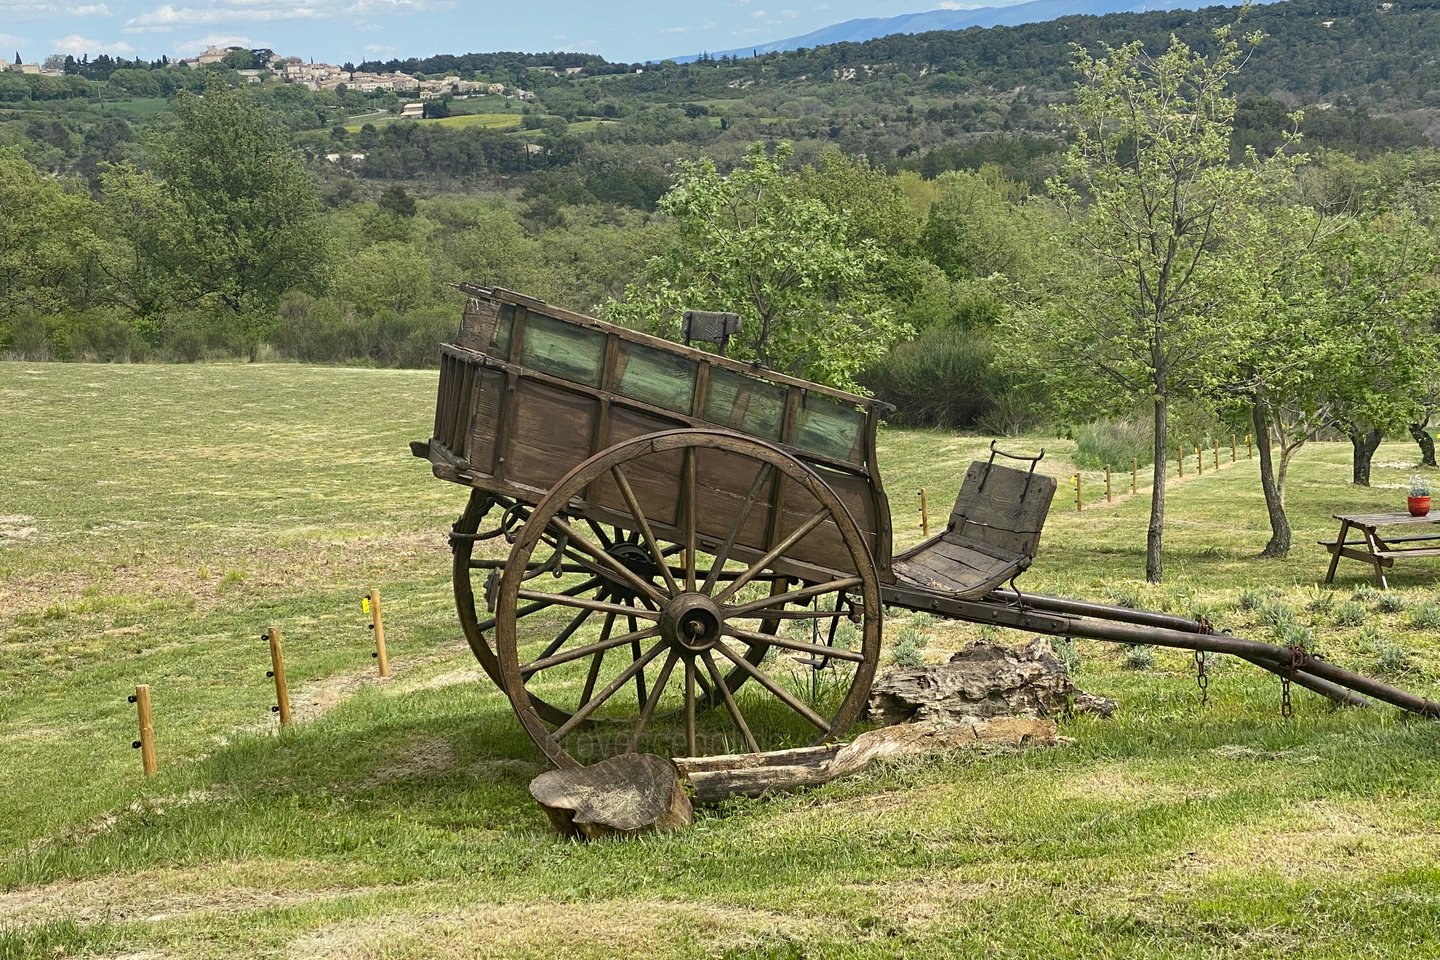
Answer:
[(1419, 506)]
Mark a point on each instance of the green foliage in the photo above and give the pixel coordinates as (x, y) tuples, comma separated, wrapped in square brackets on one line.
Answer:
[(1138, 657), (943, 378), (753, 243), (1349, 614), (1112, 442)]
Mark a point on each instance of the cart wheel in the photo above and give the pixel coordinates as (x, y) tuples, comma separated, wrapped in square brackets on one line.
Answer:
[(471, 573), (697, 617)]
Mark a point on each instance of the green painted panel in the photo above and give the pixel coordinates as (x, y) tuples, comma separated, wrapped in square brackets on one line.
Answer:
[(657, 377), (500, 346), (745, 404), (563, 349), (829, 428)]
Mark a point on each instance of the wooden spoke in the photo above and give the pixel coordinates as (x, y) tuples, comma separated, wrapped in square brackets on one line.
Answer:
[(644, 527), (579, 716), (723, 554), (530, 608), (585, 603), (791, 615), (640, 697), (779, 550), (687, 494), (690, 738), (730, 705), (596, 659), (802, 595), (800, 646), (783, 695), (605, 541), (624, 573), (653, 700), (577, 653)]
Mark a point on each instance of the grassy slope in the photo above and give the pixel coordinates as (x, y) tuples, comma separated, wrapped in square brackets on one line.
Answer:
[(153, 520)]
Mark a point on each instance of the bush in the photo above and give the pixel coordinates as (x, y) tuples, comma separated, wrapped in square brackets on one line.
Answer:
[(941, 379), (1138, 657), (1113, 443)]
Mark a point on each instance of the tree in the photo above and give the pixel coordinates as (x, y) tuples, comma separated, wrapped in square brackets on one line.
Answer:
[(1149, 198), (249, 227), (139, 227), (751, 242), (396, 202)]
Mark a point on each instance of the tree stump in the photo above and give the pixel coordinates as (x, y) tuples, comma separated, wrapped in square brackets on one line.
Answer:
[(983, 681), (624, 796)]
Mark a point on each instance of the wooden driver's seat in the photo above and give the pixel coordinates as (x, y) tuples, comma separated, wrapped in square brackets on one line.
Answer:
[(992, 535)]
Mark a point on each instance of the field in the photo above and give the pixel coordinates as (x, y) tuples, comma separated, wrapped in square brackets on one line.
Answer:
[(155, 520), (486, 121)]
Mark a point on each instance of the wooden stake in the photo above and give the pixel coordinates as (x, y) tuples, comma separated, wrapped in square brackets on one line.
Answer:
[(1180, 460), (377, 623), (1216, 446), (277, 670), (1248, 454), (1199, 462), (1079, 504), (1109, 495), (1134, 474), (1232, 448), (146, 743)]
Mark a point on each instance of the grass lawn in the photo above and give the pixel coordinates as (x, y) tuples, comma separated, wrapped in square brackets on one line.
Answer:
[(154, 520), (487, 121)]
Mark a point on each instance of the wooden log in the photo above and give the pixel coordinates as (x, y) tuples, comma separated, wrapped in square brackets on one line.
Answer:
[(624, 796), (277, 671), (377, 623), (752, 774), (146, 744)]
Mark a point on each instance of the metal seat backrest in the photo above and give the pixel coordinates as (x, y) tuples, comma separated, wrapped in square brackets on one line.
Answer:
[(1001, 508)]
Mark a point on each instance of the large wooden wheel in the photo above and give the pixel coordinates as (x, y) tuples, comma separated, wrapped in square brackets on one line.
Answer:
[(678, 622), (584, 577)]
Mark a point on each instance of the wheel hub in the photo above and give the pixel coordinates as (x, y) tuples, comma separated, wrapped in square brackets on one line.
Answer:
[(691, 623)]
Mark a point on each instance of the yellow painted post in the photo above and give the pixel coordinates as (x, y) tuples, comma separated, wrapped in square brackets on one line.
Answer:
[(924, 515), (146, 743), (1199, 462), (1109, 495), (1232, 448), (1079, 504), (277, 670), (1216, 447), (1134, 474), (377, 623)]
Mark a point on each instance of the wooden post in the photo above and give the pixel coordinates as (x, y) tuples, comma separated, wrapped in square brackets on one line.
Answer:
[(1232, 448), (1134, 474), (1199, 461), (377, 623), (1249, 455), (924, 515), (1079, 504), (277, 670), (1109, 495), (1216, 446), (146, 743), (1180, 461)]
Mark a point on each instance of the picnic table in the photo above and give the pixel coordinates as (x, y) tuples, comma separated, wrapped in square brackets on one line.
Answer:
[(1381, 551)]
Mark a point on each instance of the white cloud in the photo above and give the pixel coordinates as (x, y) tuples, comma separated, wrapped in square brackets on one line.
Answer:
[(167, 16), (92, 10), (10, 40), (789, 14), (378, 48), (674, 29), (29, 10), (955, 5), (759, 14), (76, 45)]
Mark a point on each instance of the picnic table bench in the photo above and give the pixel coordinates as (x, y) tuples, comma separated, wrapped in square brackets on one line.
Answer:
[(1380, 552)]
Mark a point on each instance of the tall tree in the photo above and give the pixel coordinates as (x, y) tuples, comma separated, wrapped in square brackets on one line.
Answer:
[(250, 224), (754, 243), (1150, 199)]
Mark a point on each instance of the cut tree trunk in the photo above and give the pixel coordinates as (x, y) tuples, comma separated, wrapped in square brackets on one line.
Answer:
[(982, 681), (1155, 532), (624, 796)]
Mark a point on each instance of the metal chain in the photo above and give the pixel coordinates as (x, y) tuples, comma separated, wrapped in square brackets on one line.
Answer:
[(1202, 679)]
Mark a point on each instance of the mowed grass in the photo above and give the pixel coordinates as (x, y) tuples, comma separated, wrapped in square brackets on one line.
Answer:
[(155, 520)]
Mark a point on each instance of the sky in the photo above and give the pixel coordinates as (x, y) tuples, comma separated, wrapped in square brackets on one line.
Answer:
[(335, 31)]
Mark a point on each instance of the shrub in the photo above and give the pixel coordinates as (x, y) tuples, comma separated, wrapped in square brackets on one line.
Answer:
[(941, 379), (1425, 617), (1138, 657), (1113, 443), (1390, 602), (1349, 614), (1390, 658)]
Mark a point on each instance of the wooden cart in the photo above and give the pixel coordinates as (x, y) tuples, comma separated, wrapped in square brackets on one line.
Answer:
[(699, 550)]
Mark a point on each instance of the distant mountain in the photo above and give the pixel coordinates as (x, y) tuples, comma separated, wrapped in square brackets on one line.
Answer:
[(1035, 11)]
